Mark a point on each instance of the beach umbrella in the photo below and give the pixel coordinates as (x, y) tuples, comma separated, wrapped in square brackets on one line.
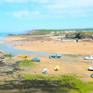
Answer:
[(36, 59)]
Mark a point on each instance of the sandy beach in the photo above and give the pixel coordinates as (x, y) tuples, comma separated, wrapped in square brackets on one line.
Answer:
[(13, 38), (65, 47), (68, 64), (52, 46)]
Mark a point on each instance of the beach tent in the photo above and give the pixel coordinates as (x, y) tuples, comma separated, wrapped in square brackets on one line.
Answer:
[(55, 56), (36, 59)]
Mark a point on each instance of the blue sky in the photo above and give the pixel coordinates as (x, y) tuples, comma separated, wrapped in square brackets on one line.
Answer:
[(22, 15)]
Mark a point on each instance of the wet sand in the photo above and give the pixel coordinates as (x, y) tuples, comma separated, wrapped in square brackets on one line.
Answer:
[(13, 38)]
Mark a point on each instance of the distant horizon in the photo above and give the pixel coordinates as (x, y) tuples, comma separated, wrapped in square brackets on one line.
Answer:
[(22, 32)]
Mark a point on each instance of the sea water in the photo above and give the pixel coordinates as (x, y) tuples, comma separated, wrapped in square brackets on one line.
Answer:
[(8, 48)]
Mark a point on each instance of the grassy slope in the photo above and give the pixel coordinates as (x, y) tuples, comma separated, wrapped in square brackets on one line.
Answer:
[(83, 32), (26, 63), (69, 83), (65, 83)]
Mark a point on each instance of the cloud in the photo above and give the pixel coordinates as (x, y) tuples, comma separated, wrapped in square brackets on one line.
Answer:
[(60, 4), (24, 13), (55, 3), (54, 8), (70, 7)]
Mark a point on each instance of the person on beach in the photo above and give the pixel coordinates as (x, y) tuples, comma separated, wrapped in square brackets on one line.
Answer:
[(77, 40), (77, 36)]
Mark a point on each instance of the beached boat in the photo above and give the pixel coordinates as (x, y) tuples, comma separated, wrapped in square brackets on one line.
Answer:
[(36, 59), (90, 69), (88, 57), (56, 56)]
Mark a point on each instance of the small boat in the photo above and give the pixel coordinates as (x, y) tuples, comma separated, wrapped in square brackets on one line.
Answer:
[(56, 56), (91, 75), (56, 68), (45, 71), (90, 69), (88, 57), (36, 59)]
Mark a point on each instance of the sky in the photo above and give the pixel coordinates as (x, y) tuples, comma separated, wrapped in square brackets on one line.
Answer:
[(17, 16)]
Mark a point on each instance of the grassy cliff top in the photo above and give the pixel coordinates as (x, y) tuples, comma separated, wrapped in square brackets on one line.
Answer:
[(48, 31)]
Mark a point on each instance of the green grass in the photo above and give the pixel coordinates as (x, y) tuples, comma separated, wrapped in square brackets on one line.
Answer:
[(70, 83), (26, 63)]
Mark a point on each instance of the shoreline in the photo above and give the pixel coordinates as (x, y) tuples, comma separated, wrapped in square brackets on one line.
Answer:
[(13, 38), (82, 48)]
